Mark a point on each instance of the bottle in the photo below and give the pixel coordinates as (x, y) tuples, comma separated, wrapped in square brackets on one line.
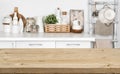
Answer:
[(15, 19), (58, 15), (58, 12), (21, 25), (15, 26), (64, 18)]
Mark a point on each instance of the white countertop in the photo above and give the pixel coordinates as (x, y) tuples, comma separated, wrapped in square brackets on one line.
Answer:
[(50, 36), (45, 36)]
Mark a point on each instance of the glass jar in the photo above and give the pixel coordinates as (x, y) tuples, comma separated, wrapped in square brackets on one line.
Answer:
[(34, 28), (30, 21)]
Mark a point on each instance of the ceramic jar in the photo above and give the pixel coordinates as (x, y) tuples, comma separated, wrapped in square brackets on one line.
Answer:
[(7, 21), (77, 27)]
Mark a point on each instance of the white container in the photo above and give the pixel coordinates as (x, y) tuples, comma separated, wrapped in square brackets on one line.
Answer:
[(21, 26), (39, 22), (7, 24), (76, 25), (7, 28)]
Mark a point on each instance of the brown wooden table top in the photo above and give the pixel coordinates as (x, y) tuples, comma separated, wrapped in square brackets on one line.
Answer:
[(59, 60)]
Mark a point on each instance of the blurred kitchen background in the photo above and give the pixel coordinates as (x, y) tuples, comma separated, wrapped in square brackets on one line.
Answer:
[(32, 8)]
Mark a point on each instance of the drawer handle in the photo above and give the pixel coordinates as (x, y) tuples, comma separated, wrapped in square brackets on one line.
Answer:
[(73, 44), (35, 44)]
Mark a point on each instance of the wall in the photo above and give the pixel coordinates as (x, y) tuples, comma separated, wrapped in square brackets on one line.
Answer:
[(40, 8)]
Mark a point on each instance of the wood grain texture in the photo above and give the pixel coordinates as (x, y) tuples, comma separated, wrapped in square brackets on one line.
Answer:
[(59, 60)]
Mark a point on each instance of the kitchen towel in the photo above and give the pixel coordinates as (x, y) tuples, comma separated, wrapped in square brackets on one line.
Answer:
[(102, 29), (103, 43)]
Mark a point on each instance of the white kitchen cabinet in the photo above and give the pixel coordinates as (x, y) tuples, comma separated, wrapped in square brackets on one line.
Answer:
[(35, 44), (6, 44), (73, 44), (46, 40)]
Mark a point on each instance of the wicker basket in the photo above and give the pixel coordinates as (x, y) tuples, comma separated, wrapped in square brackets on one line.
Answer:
[(53, 28)]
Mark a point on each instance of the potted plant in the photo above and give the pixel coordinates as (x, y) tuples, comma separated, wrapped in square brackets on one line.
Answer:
[(51, 25), (51, 19)]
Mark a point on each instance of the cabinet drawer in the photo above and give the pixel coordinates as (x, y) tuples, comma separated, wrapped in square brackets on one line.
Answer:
[(43, 44), (6, 44), (73, 44)]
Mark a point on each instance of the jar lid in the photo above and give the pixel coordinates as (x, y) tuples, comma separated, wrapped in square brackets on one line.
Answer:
[(7, 19), (64, 13)]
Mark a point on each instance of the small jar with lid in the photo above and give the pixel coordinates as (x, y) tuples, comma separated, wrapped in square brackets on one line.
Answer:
[(7, 22)]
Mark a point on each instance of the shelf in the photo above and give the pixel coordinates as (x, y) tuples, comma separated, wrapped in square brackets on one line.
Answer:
[(45, 37), (92, 22), (114, 40), (114, 22), (102, 3)]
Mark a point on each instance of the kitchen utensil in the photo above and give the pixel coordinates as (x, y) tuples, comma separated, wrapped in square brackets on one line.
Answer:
[(19, 16), (106, 15), (95, 11)]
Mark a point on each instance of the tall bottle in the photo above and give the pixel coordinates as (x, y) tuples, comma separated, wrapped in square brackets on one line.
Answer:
[(58, 15), (15, 25), (64, 18), (21, 25)]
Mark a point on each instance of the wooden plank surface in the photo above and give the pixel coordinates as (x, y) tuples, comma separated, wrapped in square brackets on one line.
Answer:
[(59, 60)]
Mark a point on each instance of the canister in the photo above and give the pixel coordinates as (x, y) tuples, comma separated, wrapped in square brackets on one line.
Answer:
[(7, 21)]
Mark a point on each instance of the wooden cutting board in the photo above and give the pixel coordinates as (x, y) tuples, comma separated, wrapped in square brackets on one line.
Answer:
[(19, 16)]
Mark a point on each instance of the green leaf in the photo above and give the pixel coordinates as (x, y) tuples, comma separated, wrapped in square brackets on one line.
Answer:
[(51, 19)]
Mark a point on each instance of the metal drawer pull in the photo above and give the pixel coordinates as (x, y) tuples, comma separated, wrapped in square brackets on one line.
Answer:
[(35, 44), (73, 44)]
